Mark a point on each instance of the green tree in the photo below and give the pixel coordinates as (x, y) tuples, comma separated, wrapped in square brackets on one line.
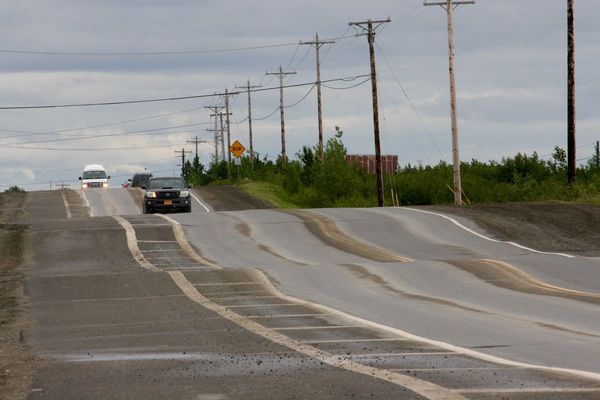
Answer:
[(14, 189)]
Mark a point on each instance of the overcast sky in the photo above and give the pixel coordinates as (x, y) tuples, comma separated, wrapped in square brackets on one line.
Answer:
[(510, 71)]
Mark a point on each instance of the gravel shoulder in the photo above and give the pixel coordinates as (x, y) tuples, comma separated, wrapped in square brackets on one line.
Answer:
[(557, 227), (230, 198), (15, 373)]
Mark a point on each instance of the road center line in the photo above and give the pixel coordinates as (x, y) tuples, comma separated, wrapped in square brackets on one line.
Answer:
[(132, 243), (185, 245), (67, 208), (423, 388)]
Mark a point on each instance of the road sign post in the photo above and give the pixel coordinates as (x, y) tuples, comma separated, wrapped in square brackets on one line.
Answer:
[(237, 149)]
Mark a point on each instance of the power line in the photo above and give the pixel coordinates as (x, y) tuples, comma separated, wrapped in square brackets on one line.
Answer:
[(348, 87), (91, 148), (154, 131), (199, 96), (409, 101), (62, 131), (142, 53)]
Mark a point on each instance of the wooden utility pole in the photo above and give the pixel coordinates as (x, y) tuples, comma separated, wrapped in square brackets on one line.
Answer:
[(370, 32), (318, 43), (183, 152), (281, 74), (196, 141), (249, 88), (227, 127), (449, 6), (216, 109), (571, 152)]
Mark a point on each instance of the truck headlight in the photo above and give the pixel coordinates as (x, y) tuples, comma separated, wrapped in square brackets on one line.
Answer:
[(84, 185), (104, 184), (151, 194), (184, 193)]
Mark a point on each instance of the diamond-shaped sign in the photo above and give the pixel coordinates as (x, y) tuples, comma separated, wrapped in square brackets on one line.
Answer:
[(237, 149)]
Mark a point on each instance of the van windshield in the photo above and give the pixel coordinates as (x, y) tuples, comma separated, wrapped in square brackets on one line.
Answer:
[(94, 175)]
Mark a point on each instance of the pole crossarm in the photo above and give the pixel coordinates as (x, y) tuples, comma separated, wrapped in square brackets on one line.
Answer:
[(281, 74), (444, 4), (248, 87), (318, 44), (370, 33), (449, 6)]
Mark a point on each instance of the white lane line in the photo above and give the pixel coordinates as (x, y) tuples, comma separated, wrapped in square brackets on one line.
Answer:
[(242, 297), (285, 316), (528, 390), (455, 222), (263, 305), (469, 369), (108, 299), (86, 202), (316, 327), (354, 340), (442, 345), (185, 245), (132, 243), (426, 389), (227, 283), (69, 215), (199, 202), (231, 295), (414, 353), (156, 241)]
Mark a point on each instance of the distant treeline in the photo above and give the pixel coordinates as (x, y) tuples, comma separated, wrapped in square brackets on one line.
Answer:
[(307, 182)]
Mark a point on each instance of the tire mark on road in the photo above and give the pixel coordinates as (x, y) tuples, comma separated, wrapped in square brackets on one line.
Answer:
[(244, 229), (327, 231), (507, 276), (363, 273)]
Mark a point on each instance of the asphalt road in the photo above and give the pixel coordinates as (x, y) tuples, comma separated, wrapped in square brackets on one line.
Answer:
[(337, 303)]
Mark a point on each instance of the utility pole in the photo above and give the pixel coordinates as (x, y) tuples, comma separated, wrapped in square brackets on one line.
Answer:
[(228, 128), (183, 153), (449, 6), (196, 141), (281, 74), (216, 109), (571, 156), (62, 185), (371, 38), (318, 43), (597, 154), (222, 135), (248, 88)]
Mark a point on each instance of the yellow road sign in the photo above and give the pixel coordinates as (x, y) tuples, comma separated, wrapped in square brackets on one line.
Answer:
[(237, 149)]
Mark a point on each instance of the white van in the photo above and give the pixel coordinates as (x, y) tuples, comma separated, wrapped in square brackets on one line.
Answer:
[(94, 175)]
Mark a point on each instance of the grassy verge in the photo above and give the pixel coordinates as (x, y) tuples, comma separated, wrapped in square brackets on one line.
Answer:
[(268, 192)]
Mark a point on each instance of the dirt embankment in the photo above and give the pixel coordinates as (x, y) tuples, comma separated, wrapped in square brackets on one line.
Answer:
[(229, 198), (557, 227), (14, 374)]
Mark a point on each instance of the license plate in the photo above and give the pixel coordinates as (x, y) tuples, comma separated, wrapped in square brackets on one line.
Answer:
[(168, 202)]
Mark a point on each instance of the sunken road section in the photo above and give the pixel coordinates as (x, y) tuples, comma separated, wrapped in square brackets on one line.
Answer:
[(432, 370)]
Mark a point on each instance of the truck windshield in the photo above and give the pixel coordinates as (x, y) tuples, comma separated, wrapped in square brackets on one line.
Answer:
[(94, 175), (166, 183)]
